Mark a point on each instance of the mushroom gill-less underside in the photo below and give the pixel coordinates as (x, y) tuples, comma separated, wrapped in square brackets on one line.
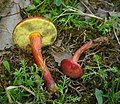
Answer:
[(28, 26)]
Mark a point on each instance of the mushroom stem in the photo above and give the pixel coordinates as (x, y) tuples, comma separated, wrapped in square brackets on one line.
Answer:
[(81, 50), (35, 43)]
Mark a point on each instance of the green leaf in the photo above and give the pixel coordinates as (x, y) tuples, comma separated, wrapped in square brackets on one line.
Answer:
[(117, 95), (6, 65), (57, 2), (30, 8), (29, 82), (97, 58), (98, 95), (36, 2)]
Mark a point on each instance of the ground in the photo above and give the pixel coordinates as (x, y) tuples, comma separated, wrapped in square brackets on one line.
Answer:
[(76, 23)]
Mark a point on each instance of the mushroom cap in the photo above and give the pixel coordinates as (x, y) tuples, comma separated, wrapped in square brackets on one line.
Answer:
[(71, 69), (23, 30)]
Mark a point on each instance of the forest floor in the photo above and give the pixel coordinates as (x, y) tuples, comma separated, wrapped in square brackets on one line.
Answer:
[(77, 22)]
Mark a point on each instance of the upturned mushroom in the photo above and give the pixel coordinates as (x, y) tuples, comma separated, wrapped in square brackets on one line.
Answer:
[(70, 67), (30, 35)]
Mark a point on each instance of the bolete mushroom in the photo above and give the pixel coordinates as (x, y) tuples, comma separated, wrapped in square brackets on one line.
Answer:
[(30, 35), (70, 67)]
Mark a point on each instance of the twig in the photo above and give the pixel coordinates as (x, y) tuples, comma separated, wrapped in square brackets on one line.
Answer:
[(86, 7), (13, 87), (62, 14), (75, 10), (8, 93), (57, 70), (4, 28), (8, 15), (116, 36), (74, 89), (106, 2), (28, 90), (89, 15)]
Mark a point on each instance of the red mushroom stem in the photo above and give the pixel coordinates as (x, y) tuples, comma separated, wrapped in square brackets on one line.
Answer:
[(35, 42), (70, 67), (81, 50)]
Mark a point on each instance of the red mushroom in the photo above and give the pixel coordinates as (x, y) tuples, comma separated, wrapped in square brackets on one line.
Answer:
[(32, 34), (70, 67)]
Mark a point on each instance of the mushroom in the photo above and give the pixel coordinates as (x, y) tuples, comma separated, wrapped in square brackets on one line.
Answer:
[(70, 67), (30, 35)]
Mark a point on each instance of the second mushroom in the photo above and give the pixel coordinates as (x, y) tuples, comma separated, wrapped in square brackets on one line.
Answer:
[(70, 67), (31, 34)]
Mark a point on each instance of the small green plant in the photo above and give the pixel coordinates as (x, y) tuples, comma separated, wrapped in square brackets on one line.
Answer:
[(26, 82), (6, 66), (36, 2), (112, 94), (27, 87), (62, 89), (106, 26)]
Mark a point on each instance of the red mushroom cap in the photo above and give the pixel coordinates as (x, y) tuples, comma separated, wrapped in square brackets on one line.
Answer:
[(71, 69)]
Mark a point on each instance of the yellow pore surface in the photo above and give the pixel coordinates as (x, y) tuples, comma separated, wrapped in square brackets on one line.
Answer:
[(23, 30)]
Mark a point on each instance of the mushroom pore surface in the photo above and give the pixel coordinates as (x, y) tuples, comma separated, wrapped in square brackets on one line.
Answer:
[(28, 26)]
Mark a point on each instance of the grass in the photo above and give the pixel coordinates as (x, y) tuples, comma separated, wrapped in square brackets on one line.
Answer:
[(21, 81), (104, 81), (27, 84)]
